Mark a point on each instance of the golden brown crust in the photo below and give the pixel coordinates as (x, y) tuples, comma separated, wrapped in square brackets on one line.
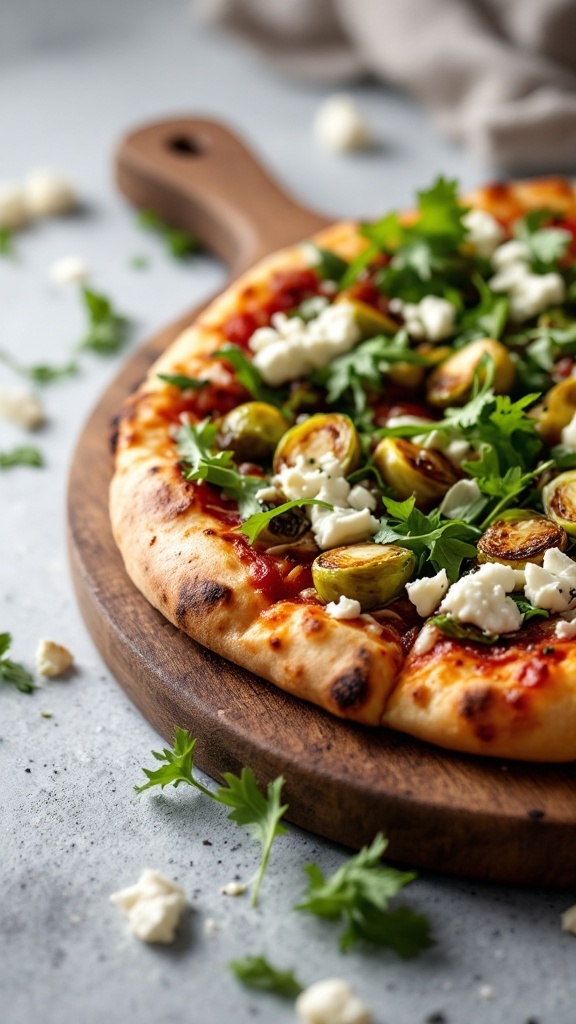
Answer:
[(184, 561)]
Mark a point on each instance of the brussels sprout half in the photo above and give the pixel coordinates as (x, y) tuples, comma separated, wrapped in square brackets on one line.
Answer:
[(373, 574), (369, 319), (451, 382), (556, 410), (520, 536), (408, 469), (252, 431), (318, 435), (559, 499)]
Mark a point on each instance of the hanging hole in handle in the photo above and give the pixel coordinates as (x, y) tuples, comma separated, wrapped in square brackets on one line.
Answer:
[(186, 146)]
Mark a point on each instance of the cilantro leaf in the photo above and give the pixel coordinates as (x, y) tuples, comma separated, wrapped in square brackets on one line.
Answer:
[(488, 318), (546, 246), (200, 463), (257, 522), (179, 243), (442, 543), (40, 373), (23, 456), (257, 972), (180, 380), (249, 376), (107, 330), (10, 671), (260, 814), (178, 767), (358, 893)]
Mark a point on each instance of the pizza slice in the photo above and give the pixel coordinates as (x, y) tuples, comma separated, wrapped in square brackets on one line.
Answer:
[(355, 474)]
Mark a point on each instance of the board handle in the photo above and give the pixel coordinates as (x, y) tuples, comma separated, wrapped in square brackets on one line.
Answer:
[(197, 175)]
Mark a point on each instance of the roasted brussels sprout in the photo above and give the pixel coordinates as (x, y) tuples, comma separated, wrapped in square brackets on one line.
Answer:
[(369, 319), (408, 469), (286, 528), (372, 574), (451, 382), (559, 500), (252, 431), (407, 375), (520, 536), (556, 410), (321, 433)]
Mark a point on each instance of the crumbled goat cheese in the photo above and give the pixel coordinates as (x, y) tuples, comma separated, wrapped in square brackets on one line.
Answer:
[(332, 1001), (13, 212), (360, 497), (552, 585), (568, 919), (21, 406), (427, 592), (480, 599), (344, 608), (529, 293), (291, 348), (566, 629), (69, 270), (325, 480), (425, 640), (456, 449), (53, 659), (211, 926), (153, 906), (432, 318), (568, 435), (340, 127), (233, 889), (484, 232), (459, 497), (48, 194), (486, 992), (269, 496)]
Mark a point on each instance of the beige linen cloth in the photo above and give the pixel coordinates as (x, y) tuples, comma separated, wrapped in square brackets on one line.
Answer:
[(497, 75)]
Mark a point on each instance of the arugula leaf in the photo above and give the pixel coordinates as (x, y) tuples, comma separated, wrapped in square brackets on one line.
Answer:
[(257, 972), (249, 376), (488, 318), (546, 246), (443, 543), (23, 456), (529, 611), (359, 892), (180, 380), (253, 526), (199, 463), (40, 373), (179, 243), (7, 243), (457, 630), (10, 671), (506, 487), (327, 264), (260, 814), (544, 344), (107, 330)]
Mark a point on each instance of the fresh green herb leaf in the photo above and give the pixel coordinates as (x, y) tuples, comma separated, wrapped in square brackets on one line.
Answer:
[(564, 458), (195, 448), (140, 262), (260, 814), (41, 373), (179, 766), (359, 892), (506, 487), (7, 243), (485, 320), (10, 671), (456, 630), (23, 456), (180, 380), (546, 246), (249, 376), (257, 972), (529, 611), (107, 330), (253, 526), (179, 243), (441, 543), (327, 264)]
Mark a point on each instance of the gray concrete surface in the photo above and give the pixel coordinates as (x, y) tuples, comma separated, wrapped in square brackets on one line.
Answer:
[(73, 77)]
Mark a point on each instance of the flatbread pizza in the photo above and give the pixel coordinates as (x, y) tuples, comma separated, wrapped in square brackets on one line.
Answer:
[(355, 474)]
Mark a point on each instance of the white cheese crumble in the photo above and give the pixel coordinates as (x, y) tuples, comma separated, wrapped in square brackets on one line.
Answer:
[(458, 498), (565, 629), (456, 449), (153, 906), (291, 348), (344, 608), (233, 889), (69, 270), (481, 599), (211, 926), (340, 127), (432, 318), (484, 232), (568, 919), (332, 1001), (48, 194), (529, 293), (552, 585), (325, 480), (21, 406), (53, 659), (427, 592), (425, 640), (13, 212), (568, 435)]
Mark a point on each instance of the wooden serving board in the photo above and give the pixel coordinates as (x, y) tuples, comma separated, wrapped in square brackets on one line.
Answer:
[(481, 818)]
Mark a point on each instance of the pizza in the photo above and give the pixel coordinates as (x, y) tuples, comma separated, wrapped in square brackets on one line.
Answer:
[(355, 474)]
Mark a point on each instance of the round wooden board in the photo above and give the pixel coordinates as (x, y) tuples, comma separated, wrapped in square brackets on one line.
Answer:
[(481, 818)]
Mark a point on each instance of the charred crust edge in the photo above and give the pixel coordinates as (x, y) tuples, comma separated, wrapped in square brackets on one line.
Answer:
[(200, 596)]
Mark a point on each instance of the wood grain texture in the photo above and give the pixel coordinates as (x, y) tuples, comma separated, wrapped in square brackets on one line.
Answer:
[(481, 818)]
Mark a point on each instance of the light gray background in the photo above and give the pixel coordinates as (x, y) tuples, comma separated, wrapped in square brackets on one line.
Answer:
[(73, 77)]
